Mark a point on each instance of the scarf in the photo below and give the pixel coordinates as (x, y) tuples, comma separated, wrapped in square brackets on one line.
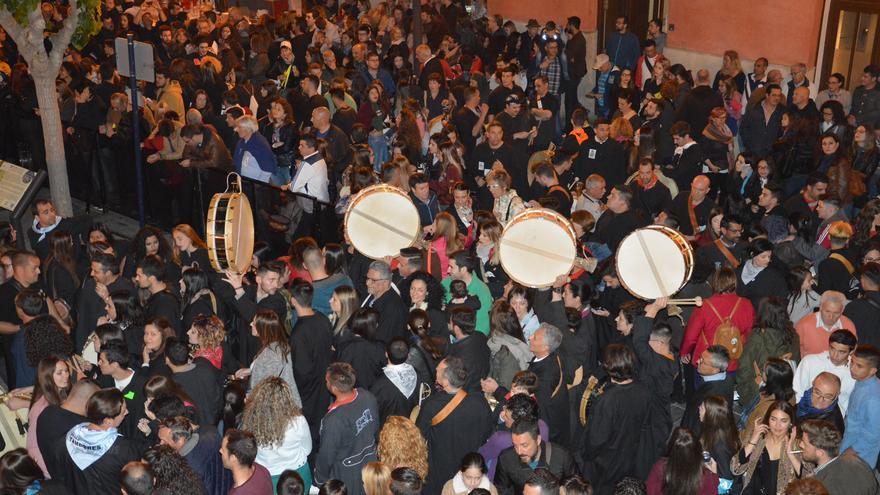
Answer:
[(87, 446), (43, 231), (750, 272), (805, 406), (215, 355), (647, 185), (722, 134), (403, 376)]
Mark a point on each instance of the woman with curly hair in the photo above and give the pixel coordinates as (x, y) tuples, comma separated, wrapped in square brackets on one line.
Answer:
[(274, 358), (206, 334), (281, 430), (46, 339), (422, 291), (865, 225), (151, 240), (172, 473), (51, 389), (401, 444)]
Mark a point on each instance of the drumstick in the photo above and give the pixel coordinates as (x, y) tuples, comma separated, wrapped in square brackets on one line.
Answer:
[(382, 224), (534, 250), (657, 277)]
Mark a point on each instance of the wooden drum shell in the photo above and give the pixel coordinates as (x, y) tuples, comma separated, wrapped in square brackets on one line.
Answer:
[(654, 262), (230, 232), (381, 220), (536, 246)]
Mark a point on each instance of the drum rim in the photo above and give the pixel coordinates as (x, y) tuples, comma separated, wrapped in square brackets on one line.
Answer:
[(211, 233), (357, 198), (543, 213), (689, 258)]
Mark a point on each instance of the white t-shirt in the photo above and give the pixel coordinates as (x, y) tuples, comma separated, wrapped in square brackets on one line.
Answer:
[(810, 367)]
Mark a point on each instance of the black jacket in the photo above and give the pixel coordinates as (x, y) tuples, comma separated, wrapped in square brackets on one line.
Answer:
[(474, 351), (865, 313), (512, 473), (393, 315), (686, 166), (691, 417), (697, 106), (759, 134)]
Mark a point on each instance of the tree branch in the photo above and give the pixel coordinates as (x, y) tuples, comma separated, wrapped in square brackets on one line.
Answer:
[(12, 27), (61, 39)]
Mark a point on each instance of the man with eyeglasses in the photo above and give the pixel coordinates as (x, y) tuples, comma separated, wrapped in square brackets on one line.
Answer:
[(835, 92), (835, 360), (865, 311), (384, 298), (820, 401), (726, 251), (798, 80)]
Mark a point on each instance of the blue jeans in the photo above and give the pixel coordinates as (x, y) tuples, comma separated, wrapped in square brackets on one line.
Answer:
[(379, 144)]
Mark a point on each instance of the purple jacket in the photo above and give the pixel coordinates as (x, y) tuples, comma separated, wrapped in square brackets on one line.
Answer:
[(501, 440)]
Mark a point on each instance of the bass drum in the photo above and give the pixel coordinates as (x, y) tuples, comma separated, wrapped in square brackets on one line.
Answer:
[(230, 229), (536, 246), (381, 220), (654, 262)]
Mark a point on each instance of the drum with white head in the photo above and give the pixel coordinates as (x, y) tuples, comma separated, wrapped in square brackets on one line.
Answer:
[(654, 262), (381, 220), (536, 246)]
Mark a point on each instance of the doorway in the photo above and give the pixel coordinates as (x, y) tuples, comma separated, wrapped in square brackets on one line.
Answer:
[(639, 13), (852, 40)]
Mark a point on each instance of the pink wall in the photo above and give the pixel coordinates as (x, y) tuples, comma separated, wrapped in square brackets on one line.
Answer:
[(784, 31), (545, 10)]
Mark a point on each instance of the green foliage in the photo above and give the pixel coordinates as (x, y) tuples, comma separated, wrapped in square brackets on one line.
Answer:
[(89, 12)]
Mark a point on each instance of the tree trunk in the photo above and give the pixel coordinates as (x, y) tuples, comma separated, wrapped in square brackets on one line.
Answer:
[(53, 136)]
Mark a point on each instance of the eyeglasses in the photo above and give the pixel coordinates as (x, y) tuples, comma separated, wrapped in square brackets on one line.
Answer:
[(828, 397)]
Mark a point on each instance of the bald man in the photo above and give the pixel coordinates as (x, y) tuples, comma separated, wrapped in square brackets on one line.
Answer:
[(820, 401), (697, 105), (802, 106), (137, 478), (694, 201), (337, 141), (55, 421)]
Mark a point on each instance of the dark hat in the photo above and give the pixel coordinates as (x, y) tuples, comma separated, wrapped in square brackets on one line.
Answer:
[(533, 23)]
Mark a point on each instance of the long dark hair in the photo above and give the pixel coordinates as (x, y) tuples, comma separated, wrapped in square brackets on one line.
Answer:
[(795, 279), (335, 260), (503, 320), (365, 322), (128, 308), (61, 252), (718, 426), (139, 248), (684, 467), (270, 330), (194, 280), (233, 404), (45, 386), (773, 317), (419, 324), (18, 470), (778, 379)]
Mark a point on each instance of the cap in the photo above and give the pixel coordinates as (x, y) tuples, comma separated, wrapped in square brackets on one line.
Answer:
[(533, 23), (601, 59), (287, 44)]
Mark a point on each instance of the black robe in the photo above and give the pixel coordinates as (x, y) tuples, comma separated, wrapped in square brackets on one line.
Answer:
[(102, 476), (465, 430), (310, 343), (613, 434), (657, 372), (392, 401), (166, 305), (246, 308), (134, 401), (552, 397), (393, 315), (474, 352), (367, 357)]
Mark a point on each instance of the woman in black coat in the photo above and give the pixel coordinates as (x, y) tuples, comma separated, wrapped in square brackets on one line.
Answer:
[(197, 297), (282, 135), (759, 276)]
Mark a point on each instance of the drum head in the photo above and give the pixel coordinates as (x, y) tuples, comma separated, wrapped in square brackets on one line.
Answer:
[(651, 264), (381, 220), (536, 247)]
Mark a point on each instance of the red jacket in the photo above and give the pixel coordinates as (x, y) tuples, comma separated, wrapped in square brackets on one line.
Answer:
[(704, 321)]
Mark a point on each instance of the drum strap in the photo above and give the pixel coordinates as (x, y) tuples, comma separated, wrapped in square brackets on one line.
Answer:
[(428, 256), (561, 378), (692, 214), (727, 254), (845, 262), (448, 408)]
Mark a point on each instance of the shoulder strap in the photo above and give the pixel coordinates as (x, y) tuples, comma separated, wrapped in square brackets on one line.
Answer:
[(720, 319), (448, 408), (692, 214), (428, 256), (727, 254), (733, 311), (839, 257), (561, 378), (549, 452), (872, 302)]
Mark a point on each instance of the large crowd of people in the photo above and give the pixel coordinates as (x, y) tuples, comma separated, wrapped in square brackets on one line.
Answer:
[(143, 369)]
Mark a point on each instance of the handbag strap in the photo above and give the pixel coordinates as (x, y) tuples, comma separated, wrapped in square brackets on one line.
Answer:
[(448, 408)]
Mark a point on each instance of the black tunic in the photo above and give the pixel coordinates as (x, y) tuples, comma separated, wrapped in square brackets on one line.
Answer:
[(365, 356), (134, 401), (464, 430), (552, 397), (54, 422), (391, 400), (166, 305), (393, 315), (474, 352), (701, 211), (613, 433), (102, 476), (607, 159), (310, 343), (202, 385)]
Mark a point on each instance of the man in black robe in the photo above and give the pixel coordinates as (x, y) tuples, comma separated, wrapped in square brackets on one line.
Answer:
[(687, 160), (615, 422), (727, 251), (397, 388), (91, 306), (528, 453), (248, 300), (619, 220), (162, 302), (56, 421), (471, 346), (393, 313), (602, 155), (92, 453), (712, 368), (311, 340), (115, 373), (453, 423), (649, 194)]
